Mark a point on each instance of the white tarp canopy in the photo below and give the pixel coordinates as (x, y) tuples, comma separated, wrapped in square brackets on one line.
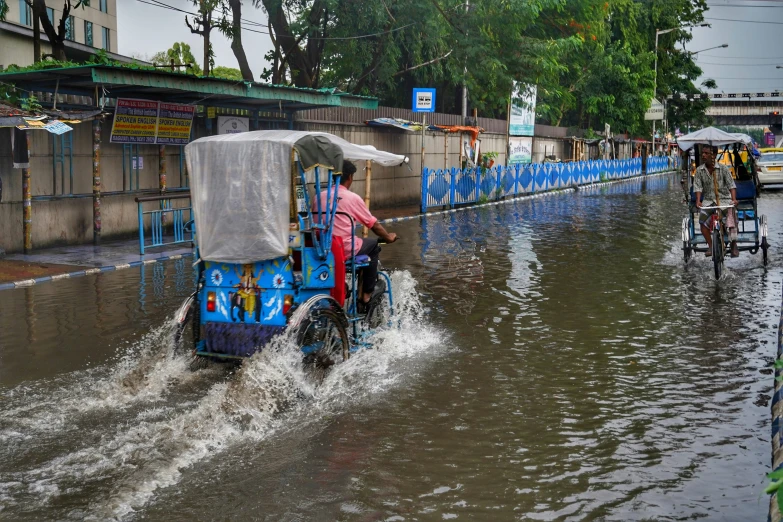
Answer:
[(240, 187), (711, 136)]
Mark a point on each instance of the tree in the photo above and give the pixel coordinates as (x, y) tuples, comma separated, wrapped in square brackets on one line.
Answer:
[(233, 31), (203, 25), (228, 73), (3, 10), (180, 54), (56, 36), (297, 29)]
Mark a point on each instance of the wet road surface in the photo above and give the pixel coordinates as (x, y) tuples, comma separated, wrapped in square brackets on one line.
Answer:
[(556, 361)]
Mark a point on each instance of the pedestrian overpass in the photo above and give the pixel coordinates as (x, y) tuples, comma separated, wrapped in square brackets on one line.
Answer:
[(746, 112)]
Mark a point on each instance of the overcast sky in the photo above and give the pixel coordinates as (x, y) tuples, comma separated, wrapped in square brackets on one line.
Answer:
[(755, 47), (747, 65), (144, 30)]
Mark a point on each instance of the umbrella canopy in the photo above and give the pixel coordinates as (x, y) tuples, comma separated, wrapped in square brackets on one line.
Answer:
[(709, 136)]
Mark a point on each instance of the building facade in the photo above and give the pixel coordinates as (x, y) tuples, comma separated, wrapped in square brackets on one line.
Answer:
[(88, 29)]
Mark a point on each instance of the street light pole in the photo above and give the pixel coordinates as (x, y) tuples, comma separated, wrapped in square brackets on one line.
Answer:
[(659, 32)]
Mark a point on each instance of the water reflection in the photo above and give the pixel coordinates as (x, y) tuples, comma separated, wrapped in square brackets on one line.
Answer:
[(581, 372)]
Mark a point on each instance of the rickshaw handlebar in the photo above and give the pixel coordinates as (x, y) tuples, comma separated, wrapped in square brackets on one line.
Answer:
[(716, 207)]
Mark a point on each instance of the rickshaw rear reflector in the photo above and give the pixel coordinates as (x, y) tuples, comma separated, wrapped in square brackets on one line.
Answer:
[(210, 301), (288, 302)]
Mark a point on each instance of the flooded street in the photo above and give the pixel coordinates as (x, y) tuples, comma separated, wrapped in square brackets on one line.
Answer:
[(555, 361)]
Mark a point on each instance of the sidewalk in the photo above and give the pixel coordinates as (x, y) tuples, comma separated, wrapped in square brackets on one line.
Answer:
[(48, 264), (76, 260)]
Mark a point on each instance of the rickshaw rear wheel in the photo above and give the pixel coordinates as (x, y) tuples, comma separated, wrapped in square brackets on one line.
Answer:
[(686, 251), (764, 248), (326, 329)]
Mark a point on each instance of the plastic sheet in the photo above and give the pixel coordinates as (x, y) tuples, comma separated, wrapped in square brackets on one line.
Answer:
[(241, 189)]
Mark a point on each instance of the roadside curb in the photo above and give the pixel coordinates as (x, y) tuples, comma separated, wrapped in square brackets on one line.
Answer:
[(89, 271), (777, 423), (99, 270)]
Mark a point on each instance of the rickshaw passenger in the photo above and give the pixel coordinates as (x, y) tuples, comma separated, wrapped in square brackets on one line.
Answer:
[(714, 181), (353, 205)]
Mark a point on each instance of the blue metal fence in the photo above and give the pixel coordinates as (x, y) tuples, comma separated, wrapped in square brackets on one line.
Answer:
[(450, 187), (180, 229)]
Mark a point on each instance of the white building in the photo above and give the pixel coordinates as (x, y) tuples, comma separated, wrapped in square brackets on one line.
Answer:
[(88, 28)]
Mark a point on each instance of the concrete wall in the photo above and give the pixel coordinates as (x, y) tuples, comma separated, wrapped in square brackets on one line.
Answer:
[(401, 186), (63, 218), (68, 218)]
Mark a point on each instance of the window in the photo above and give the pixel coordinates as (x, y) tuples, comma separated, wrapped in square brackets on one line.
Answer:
[(106, 41), (70, 30), (50, 15), (88, 33), (103, 6), (25, 13)]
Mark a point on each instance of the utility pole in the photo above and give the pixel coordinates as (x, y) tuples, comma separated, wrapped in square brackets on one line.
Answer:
[(465, 79)]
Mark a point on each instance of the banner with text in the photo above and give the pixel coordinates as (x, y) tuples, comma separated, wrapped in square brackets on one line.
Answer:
[(520, 150), (151, 122), (522, 119)]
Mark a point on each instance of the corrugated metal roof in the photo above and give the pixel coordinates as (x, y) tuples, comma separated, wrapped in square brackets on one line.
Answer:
[(125, 82)]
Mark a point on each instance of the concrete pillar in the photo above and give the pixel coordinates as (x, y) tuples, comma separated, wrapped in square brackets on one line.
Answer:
[(27, 203), (96, 181)]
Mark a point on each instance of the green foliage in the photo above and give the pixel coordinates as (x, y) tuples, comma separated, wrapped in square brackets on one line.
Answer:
[(229, 73), (30, 104), (3, 10), (181, 54)]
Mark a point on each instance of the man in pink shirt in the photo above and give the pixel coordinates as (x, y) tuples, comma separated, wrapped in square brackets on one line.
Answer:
[(353, 205)]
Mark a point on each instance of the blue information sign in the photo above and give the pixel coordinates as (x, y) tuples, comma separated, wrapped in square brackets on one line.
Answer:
[(423, 100)]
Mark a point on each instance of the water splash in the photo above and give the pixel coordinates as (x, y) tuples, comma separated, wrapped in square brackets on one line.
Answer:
[(122, 464)]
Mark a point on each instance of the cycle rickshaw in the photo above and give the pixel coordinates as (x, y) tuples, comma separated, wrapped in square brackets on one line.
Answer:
[(264, 257), (734, 150)]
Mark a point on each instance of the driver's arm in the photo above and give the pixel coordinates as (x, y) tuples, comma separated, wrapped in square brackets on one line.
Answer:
[(734, 195), (381, 233), (698, 200)]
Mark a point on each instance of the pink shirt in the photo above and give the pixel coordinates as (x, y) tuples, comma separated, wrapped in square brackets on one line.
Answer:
[(353, 205)]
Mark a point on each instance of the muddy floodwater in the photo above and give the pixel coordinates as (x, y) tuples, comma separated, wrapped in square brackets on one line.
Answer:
[(554, 361)]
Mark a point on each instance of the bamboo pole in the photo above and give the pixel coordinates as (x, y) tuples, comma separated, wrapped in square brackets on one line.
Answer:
[(367, 182)]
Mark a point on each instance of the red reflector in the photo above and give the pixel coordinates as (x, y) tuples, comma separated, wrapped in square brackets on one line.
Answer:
[(288, 301), (210, 301)]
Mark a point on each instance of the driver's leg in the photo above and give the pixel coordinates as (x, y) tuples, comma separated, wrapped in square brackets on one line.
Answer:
[(731, 224), (370, 248), (705, 231)]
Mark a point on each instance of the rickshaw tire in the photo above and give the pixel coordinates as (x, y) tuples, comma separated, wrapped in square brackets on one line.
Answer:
[(717, 252), (686, 249), (320, 363)]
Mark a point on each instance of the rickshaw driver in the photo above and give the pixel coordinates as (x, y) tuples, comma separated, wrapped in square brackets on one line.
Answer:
[(353, 205), (720, 187)]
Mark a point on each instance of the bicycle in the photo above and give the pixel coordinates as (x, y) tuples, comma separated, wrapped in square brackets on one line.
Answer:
[(718, 235)]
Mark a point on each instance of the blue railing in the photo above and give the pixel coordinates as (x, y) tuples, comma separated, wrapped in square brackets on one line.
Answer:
[(450, 187), (178, 219)]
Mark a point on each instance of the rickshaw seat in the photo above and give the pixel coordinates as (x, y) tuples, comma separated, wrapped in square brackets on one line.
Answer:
[(745, 190)]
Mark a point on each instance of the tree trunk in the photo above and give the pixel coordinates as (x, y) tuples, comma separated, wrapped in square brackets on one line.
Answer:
[(236, 39), (56, 37), (206, 49), (303, 64)]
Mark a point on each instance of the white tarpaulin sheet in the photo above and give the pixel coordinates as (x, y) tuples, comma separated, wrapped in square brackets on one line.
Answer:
[(241, 191), (709, 136)]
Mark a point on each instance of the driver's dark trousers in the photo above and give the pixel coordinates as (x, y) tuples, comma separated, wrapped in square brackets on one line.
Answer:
[(370, 248)]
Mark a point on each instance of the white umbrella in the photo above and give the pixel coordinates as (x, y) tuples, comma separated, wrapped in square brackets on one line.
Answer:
[(708, 136)]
